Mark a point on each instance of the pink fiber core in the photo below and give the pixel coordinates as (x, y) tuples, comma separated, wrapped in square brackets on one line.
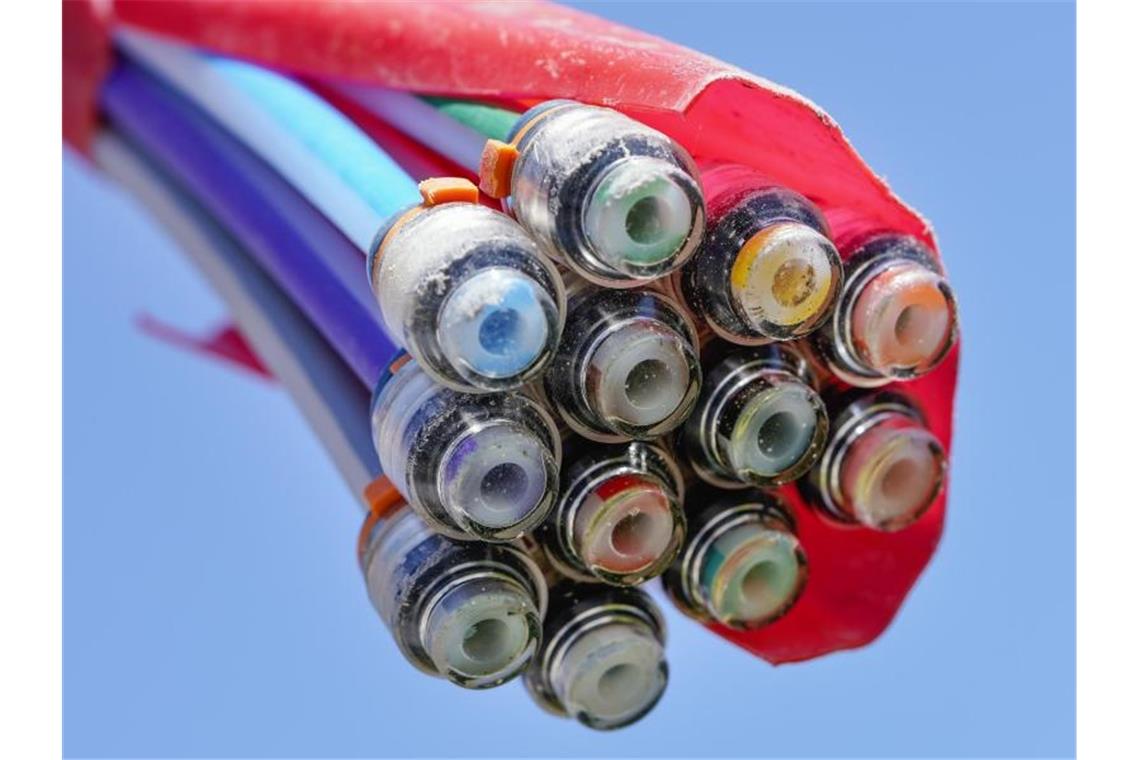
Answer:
[(625, 525), (902, 320), (891, 474)]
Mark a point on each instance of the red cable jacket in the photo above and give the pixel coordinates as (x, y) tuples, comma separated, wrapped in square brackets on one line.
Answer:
[(533, 51), (86, 61), (857, 577)]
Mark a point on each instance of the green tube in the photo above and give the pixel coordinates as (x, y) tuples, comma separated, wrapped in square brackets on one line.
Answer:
[(494, 122)]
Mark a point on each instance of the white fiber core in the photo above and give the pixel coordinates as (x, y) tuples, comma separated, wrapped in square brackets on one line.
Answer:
[(496, 476), (611, 674), (891, 474), (774, 431), (643, 373), (902, 320), (495, 324), (480, 629)]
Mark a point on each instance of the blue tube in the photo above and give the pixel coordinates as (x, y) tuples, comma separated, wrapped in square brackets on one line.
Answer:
[(327, 392), (289, 238)]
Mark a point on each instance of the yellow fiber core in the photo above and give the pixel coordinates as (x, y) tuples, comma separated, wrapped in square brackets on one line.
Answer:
[(778, 277)]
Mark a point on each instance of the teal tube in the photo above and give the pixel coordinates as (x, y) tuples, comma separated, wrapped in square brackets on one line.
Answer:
[(490, 121)]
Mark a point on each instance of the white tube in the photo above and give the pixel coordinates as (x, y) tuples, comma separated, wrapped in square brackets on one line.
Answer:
[(414, 117)]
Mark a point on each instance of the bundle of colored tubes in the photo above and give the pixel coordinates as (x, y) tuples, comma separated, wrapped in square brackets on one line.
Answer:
[(612, 375)]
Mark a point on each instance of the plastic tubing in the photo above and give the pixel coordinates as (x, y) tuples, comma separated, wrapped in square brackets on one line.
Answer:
[(615, 200), (248, 198), (742, 564), (318, 149), (465, 611), (628, 366), (415, 158), (490, 121), (330, 397), (602, 658), (518, 301), (432, 126), (759, 419), (767, 269), (286, 235)]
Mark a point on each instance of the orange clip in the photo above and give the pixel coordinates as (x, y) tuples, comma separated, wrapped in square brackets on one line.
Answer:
[(496, 167), (439, 190), (497, 163), (398, 362), (383, 499), (433, 191), (381, 496)]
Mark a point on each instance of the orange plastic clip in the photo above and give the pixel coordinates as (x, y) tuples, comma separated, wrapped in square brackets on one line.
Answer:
[(497, 163), (398, 362), (495, 168), (433, 191), (383, 499), (437, 190)]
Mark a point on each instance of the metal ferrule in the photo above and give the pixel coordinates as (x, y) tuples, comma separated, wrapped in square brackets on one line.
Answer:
[(425, 436), (575, 611), (573, 382), (712, 515), (855, 414), (408, 569), (835, 342), (591, 466), (706, 281), (731, 389), (420, 261), (565, 151)]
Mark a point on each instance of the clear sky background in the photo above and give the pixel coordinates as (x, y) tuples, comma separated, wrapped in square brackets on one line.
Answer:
[(212, 601)]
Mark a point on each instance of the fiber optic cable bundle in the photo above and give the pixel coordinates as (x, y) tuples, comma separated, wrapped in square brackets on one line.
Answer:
[(562, 322)]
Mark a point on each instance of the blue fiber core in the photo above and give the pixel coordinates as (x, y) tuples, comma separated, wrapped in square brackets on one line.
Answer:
[(496, 324), (511, 334), (499, 331)]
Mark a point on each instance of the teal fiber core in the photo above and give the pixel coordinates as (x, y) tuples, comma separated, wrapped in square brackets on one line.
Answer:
[(643, 222), (761, 584), (637, 222)]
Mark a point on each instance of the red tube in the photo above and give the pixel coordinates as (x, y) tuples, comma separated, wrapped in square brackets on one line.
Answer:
[(86, 62), (537, 51)]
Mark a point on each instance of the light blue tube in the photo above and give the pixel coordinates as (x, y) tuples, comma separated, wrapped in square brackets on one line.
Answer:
[(328, 133), (318, 150)]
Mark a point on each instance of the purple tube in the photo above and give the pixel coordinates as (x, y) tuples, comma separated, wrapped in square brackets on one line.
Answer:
[(308, 257)]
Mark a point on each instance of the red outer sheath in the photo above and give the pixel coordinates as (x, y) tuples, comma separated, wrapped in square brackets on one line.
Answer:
[(529, 51), (858, 578), (536, 51), (86, 61)]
